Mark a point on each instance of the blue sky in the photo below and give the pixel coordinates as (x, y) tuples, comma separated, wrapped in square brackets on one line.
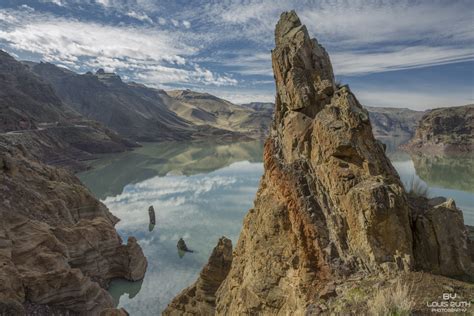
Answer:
[(416, 54)]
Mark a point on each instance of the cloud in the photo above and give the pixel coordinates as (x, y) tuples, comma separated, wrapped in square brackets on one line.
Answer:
[(155, 56), (140, 16), (178, 197), (187, 24), (203, 43), (397, 58)]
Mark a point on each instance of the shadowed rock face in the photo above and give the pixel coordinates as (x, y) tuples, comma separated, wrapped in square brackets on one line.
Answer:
[(445, 131), (330, 204), (58, 245)]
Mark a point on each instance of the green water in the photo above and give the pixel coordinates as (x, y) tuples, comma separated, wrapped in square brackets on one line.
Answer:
[(201, 192)]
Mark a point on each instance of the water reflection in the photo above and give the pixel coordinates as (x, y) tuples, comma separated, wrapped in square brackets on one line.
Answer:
[(201, 192), (119, 288), (443, 176), (446, 172), (112, 173)]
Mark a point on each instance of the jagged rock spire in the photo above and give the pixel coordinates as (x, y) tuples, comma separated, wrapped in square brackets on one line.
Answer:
[(303, 71), (330, 204)]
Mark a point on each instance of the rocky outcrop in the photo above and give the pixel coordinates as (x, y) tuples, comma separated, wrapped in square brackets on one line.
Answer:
[(330, 205), (199, 298), (58, 245), (445, 131)]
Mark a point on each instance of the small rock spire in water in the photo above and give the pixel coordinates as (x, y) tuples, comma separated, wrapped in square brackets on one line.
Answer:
[(151, 213), (182, 245)]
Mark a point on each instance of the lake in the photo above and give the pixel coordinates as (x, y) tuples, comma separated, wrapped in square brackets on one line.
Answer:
[(202, 191)]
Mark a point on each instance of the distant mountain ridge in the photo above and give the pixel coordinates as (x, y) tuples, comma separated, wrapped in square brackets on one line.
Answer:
[(400, 122), (142, 113), (386, 121), (33, 117)]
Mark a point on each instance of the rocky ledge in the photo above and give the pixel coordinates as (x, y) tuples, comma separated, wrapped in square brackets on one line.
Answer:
[(331, 214), (58, 245), (445, 131)]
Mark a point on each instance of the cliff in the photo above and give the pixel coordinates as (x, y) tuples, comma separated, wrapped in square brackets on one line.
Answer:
[(331, 214), (58, 245), (445, 131)]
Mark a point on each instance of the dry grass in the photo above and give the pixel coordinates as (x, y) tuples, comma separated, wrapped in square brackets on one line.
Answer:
[(394, 301)]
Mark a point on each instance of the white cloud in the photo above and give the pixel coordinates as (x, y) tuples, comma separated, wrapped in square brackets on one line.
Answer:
[(161, 21), (175, 22), (187, 24), (419, 33), (235, 37), (140, 16), (56, 2), (26, 7), (155, 56), (397, 58)]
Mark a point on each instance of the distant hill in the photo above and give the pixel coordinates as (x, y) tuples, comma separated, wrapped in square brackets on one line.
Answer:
[(33, 117), (391, 122), (260, 106), (386, 122), (445, 131), (204, 108)]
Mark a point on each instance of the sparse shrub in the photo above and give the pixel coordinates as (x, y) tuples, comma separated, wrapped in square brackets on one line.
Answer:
[(417, 187), (392, 301), (339, 84)]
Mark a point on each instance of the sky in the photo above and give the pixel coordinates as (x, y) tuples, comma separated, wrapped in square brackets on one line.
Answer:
[(415, 54)]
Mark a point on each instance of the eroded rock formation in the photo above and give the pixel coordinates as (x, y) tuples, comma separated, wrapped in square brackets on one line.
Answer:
[(199, 298), (445, 131), (330, 205), (58, 245)]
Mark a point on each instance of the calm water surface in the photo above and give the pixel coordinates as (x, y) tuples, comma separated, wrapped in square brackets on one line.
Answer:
[(202, 191)]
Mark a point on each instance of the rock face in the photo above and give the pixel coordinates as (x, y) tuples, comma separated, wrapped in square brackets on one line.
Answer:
[(330, 205), (445, 131), (199, 298), (58, 245)]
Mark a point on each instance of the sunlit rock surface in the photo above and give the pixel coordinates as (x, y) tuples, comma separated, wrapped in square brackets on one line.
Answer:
[(330, 204)]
